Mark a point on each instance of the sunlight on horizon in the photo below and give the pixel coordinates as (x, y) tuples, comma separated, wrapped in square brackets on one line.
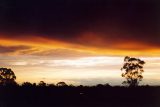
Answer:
[(85, 70)]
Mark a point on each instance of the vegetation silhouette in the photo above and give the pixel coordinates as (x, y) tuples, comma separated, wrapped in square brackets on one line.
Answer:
[(61, 84), (62, 95), (28, 84), (7, 76), (42, 84), (102, 95), (133, 71)]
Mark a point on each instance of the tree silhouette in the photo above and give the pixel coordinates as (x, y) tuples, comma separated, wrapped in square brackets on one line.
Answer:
[(61, 84), (7, 76), (42, 84), (27, 84), (133, 68)]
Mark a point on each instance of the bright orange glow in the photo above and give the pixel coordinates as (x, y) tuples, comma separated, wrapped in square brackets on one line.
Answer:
[(97, 62), (120, 49)]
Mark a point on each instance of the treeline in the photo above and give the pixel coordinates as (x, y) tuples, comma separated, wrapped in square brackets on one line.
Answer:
[(42, 83), (101, 95)]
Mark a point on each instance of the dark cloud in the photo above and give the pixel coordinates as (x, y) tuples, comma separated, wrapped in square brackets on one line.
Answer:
[(112, 20)]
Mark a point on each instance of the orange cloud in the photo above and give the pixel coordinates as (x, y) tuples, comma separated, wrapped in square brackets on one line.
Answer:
[(86, 43)]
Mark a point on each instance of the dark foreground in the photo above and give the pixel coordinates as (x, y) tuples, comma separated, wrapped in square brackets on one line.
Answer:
[(69, 96)]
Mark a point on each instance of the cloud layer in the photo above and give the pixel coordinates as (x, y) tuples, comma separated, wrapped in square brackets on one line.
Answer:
[(76, 41), (102, 24)]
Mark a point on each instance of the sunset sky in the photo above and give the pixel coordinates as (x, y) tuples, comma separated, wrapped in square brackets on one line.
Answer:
[(79, 41)]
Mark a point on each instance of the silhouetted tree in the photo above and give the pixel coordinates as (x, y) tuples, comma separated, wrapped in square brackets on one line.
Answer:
[(7, 76), (51, 85), (61, 84), (27, 84), (100, 85), (107, 85), (133, 68), (42, 84)]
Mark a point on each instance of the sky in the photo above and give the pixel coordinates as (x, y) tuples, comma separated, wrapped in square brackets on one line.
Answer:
[(79, 41)]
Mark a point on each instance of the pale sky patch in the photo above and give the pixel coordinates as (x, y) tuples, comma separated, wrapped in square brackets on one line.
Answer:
[(80, 70)]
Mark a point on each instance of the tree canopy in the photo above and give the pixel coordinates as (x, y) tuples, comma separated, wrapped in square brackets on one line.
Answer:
[(7, 76), (61, 84), (133, 69)]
